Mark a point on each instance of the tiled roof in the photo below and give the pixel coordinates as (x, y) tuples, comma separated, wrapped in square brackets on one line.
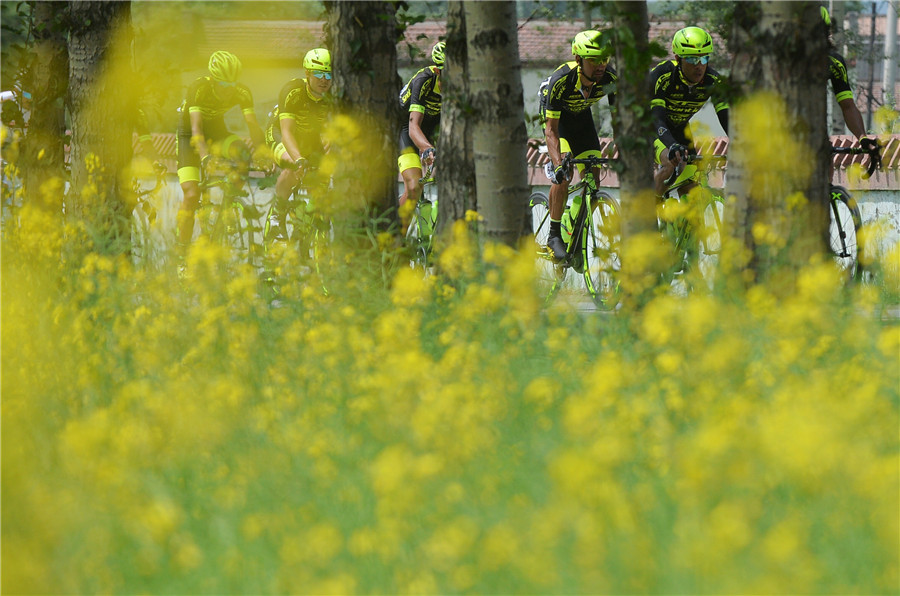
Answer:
[(540, 42), (261, 42), (888, 178)]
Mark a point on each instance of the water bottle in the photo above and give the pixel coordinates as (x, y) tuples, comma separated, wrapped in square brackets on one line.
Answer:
[(565, 226)]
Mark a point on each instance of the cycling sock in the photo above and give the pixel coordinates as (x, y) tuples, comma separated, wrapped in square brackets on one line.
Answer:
[(555, 229)]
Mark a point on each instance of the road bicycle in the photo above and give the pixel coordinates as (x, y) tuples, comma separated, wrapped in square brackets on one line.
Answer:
[(148, 243), (693, 222), (845, 220), (420, 233), (300, 224), (231, 216), (592, 235)]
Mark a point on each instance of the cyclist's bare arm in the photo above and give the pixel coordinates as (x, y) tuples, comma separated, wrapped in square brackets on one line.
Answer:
[(256, 132), (198, 139), (415, 131), (551, 138), (852, 117), (418, 137), (288, 140)]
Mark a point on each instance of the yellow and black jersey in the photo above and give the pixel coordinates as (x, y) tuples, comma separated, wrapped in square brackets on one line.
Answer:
[(674, 102), (212, 99), (423, 93), (306, 112), (565, 93), (837, 74)]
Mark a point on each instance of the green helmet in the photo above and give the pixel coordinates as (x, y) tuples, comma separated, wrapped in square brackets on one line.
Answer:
[(437, 54), (224, 66), (692, 41), (825, 16), (587, 44), (317, 59)]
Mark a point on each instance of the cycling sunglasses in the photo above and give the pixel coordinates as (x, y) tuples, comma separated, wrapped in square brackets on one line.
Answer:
[(322, 75), (696, 59)]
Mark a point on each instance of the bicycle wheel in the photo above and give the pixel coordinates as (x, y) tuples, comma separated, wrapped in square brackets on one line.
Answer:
[(710, 234), (843, 232), (550, 275), (141, 239), (417, 243), (602, 251)]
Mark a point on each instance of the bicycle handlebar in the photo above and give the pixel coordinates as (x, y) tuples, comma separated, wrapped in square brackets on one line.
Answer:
[(591, 161), (874, 157), (689, 159)]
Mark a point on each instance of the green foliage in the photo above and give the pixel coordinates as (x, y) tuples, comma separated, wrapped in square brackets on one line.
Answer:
[(716, 16), (180, 434)]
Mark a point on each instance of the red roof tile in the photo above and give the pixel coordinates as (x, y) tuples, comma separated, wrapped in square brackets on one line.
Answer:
[(887, 178)]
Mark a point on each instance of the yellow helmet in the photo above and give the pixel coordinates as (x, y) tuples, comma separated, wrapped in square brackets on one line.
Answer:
[(588, 44), (224, 66), (317, 59), (437, 54), (692, 41)]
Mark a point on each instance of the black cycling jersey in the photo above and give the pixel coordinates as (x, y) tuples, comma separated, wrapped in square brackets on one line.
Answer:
[(422, 93), (837, 74), (674, 102), (564, 91), (306, 112), (212, 99), (561, 97)]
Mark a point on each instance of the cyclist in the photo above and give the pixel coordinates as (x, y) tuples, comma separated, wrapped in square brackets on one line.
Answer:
[(202, 128), (421, 98), (679, 88), (566, 100), (840, 86), (295, 125)]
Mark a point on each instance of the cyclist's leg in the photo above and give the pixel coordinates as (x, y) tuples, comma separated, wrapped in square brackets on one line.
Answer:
[(578, 135), (189, 177), (411, 172)]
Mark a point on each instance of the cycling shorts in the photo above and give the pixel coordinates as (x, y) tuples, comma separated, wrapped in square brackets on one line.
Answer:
[(219, 141), (578, 135), (409, 153)]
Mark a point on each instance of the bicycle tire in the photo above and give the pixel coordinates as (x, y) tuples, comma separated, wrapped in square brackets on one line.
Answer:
[(843, 232), (550, 275), (419, 257), (711, 234), (601, 248), (140, 237)]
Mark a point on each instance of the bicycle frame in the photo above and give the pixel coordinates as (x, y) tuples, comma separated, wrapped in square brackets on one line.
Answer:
[(689, 248), (233, 216), (593, 245), (420, 233)]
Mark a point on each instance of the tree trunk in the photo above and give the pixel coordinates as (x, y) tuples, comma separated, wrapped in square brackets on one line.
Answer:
[(362, 37), (43, 151), (498, 122), (102, 120), (778, 166), (456, 189), (634, 138)]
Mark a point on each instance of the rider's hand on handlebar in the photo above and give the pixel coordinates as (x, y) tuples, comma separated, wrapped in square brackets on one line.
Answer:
[(871, 146), (677, 153), (559, 175), (868, 144)]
